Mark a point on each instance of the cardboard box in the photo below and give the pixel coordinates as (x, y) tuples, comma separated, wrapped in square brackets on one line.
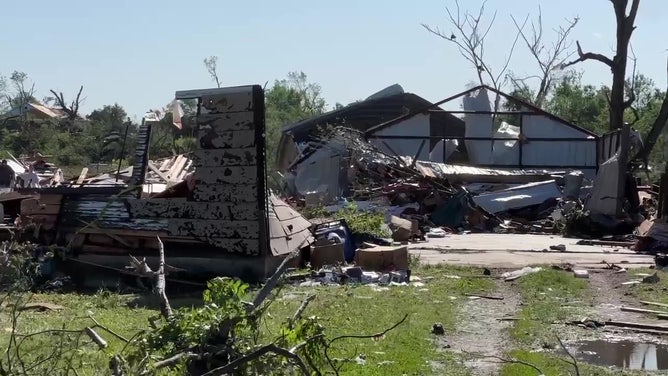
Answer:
[(327, 255), (382, 259)]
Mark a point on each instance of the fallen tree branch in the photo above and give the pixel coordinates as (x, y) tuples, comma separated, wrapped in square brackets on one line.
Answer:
[(165, 307), (271, 348), (174, 360), (505, 360), (582, 56), (573, 361)]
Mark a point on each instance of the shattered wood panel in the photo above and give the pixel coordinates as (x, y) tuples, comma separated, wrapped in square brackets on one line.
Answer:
[(226, 175), (237, 121), (225, 157), (167, 208), (225, 193), (233, 102), (209, 139), (214, 228)]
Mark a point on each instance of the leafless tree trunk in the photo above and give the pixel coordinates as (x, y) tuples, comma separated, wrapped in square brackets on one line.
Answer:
[(618, 64), (549, 58), (72, 110)]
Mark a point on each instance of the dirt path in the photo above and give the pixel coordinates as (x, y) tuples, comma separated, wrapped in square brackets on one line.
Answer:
[(480, 331)]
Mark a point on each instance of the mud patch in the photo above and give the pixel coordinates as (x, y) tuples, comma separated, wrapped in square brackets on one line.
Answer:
[(481, 330), (624, 354)]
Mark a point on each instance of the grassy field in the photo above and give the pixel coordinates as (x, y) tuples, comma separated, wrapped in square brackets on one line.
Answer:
[(409, 349)]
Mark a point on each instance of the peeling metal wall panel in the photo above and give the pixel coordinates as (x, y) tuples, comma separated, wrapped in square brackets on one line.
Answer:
[(224, 157), (167, 208), (83, 210), (225, 193), (233, 102), (236, 121), (215, 228), (226, 175), (210, 139)]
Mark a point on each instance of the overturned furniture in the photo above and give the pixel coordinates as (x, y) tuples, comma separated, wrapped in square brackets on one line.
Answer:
[(223, 223)]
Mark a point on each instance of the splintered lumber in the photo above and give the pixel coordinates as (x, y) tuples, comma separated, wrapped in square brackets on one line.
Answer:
[(664, 305), (155, 169), (82, 176), (642, 310), (636, 325), (490, 297)]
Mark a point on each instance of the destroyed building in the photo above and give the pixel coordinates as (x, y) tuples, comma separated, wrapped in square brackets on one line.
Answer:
[(219, 220)]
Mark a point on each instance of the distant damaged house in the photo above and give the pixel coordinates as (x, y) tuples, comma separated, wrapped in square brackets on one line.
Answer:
[(481, 131)]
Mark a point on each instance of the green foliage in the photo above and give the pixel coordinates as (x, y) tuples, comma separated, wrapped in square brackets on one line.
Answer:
[(364, 222), (288, 101)]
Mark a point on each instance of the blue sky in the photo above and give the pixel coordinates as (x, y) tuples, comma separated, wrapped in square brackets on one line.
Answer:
[(137, 53)]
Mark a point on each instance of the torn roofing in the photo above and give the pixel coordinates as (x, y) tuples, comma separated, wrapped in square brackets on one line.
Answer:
[(371, 112)]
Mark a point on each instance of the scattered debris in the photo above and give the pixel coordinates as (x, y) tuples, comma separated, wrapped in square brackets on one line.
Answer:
[(654, 278), (438, 329), (511, 276), (478, 296), (558, 247), (581, 273)]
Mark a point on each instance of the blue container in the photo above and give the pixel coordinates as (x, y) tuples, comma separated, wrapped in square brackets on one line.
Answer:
[(341, 230)]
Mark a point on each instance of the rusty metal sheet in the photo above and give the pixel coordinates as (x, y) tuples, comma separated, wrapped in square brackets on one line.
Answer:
[(233, 102), (209, 139), (224, 157), (225, 193), (168, 208), (215, 228), (235, 121), (238, 175)]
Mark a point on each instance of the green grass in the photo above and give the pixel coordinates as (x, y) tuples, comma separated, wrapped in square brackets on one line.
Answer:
[(657, 292), (351, 309), (549, 296), (408, 349), (109, 309)]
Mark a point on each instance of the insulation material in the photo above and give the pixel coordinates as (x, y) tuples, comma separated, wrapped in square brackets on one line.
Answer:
[(506, 152), (603, 197), (437, 155), (518, 197), (478, 125)]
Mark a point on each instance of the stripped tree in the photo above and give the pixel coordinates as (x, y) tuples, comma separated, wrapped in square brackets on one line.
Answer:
[(550, 57)]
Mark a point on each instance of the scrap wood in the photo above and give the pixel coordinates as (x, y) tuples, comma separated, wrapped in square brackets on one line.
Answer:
[(645, 302), (610, 243), (40, 306), (82, 176), (128, 272), (636, 325), (155, 169), (641, 310), (486, 297)]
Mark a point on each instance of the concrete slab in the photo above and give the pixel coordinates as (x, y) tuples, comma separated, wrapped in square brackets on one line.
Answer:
[(519, 250)]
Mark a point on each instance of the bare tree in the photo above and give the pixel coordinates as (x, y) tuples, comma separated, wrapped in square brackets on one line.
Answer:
[(23, 93), (211, 64), (625, 26), (549, 58), (72, 109), (469, 35)]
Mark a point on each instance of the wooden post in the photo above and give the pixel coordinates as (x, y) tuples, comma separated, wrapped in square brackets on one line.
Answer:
[(623, 164)]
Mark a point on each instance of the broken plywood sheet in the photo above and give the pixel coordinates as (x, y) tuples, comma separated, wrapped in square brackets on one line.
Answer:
[(225, 193), (217, 123), (233, 102), (169, 208), (209, 139), (238, 175), (214, 228), (225, 157)]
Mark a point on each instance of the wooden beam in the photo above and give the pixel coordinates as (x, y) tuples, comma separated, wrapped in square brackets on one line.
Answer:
[(82, 176), (155, 169)]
